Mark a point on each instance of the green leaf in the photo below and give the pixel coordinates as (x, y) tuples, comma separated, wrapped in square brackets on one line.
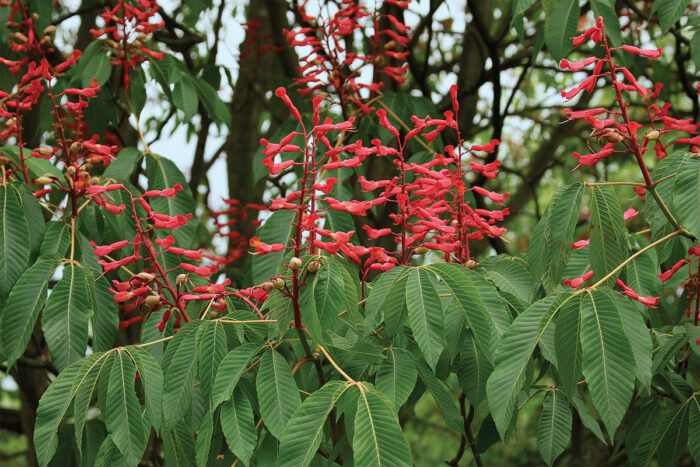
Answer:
[(66, 316), (640, 340), (378, 440), (396, 376), (123, 166), (329, 291), (238, 425), (669, 12), (14, 232), (185, 95), (554, 430), (277, 392), (105, 320), (608, 246), (108, 455), (179, 382), (84, 387), (22, 308), (215, 107), (97, 67), (123, 411), (35, 218), (560, 27), (567, 344), (438, 389), (425, 315), (178, 445), (606, 363), (511, 275), (229, 372), (672, 439), (694, 428), (513, 355), (686, 195), (383, 295), (277, 228), (202, 444), (53, 406), (152, 379), (551, 239), (56, 239), (473, 371), (212, 350), (303, 434), (484, 311)]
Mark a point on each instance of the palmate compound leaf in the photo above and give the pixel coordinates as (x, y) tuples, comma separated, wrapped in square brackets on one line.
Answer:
[(554, 429), (606, 363), (425, 315), (377, 439), (277, 392), (514, 353), (303, 434)]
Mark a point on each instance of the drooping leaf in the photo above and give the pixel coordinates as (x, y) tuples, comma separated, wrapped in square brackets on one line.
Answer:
[(377, 297), (438, 389), (212, 349), (152, 378), (185, 96), (202, 444), (694, 428), (123, 412), (640, 340), (686, 195), (66, 317), (178, 445), (277, 392), (238, 425), (567, 344), (554, 429), (672, 438), (303, 434), (85, 384), (396, 376), (473, 371), (179, 382), (511, 275), (23, 306), (229, 371), (551, 240), (608, 246), (105, 319), (14, 232), (513, 355), (378, 440), (560, 27), (606, 357), (669, 12), (425, 315)]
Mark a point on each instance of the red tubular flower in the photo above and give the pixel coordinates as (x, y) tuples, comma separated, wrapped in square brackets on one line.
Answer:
[(665, 276), (576, 282), (263, 248), (644, 53), (651, 302), (630, 213), (580, 244)]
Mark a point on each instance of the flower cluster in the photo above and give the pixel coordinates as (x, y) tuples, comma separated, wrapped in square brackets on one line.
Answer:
[(328, 63), (235, 215), (127, 26), (615, 130)]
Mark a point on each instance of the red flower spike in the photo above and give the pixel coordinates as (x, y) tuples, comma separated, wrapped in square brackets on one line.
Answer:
[(576, 282), (665, 276)]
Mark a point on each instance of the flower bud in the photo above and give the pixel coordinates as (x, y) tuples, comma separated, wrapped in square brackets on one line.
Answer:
[(95, 160), (49, 30), (145, 277), (314, 266), (471, 264), (43, 180), (10, 122), (19, 37), (653, 135), (181, 279), (152, 300), (420, 250), (267, 286), (4, 161), (213, 314), (77, 146), (295, 263), (95, 181), (45, 151), (70, 170), (613, 136), (278, 283)]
